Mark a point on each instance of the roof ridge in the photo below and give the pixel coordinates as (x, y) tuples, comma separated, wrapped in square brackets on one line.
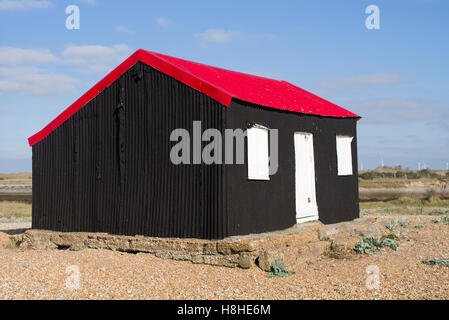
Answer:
[(158, 56), (210, 66)]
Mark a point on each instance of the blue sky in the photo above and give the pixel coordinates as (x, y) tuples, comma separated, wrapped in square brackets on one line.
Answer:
[(396, 78)]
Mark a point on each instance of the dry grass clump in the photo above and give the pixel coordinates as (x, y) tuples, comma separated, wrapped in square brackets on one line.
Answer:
[(15, 178), (19, 175), (397, 178), (12, 244), (407, 206), (335, 251), (12, 209)]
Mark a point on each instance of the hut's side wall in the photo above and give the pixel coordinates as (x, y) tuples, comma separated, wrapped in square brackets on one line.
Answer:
[(108, 169), (258, 206)]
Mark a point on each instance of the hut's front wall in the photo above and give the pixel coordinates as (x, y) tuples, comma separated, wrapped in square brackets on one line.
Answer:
[(108, 169), (259, 205)]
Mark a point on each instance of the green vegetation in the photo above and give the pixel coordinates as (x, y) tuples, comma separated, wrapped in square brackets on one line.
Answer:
[(438, 212), (372, 245), (12, 244), (279, 270), (396, 223), (392, 236), (398, 177), (402, 174), (440, 262), (444, 220)]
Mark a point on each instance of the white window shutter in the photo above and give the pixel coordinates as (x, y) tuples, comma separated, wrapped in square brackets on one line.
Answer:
[(344, 155), (258, 159)]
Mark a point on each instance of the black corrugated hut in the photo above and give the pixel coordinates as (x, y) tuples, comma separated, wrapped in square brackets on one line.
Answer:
[(104, 165)]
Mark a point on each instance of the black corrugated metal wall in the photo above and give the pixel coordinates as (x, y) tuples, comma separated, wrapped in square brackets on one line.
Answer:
[(107, 168)]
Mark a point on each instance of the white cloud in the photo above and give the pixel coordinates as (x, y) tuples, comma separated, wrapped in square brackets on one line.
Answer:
[(17, 56), (19, 72), (122, 29), (164, 22), (35, 82), (217, 35), (366, 80), (96, 59), (13, 5), (85, 53)]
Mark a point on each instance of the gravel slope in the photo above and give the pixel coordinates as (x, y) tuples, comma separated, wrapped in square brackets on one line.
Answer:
[(113, 275)]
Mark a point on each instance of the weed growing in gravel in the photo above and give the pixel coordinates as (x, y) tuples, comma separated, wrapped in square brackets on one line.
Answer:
[(419, 226), (435, 261), (12, 244), (444, 220), (438, 212), (392, 236), (332, 253), (279, 270), (396, 223), (389, 243), (372, 245), (337, 252), (400, 234)]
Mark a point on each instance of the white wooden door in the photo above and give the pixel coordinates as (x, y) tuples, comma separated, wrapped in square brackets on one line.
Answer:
[(306, 206)]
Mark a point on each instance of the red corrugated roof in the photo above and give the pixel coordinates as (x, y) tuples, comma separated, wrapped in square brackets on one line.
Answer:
[(220, 84)]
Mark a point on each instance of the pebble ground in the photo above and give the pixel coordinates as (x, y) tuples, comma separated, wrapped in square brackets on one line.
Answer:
[(104, 274)]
